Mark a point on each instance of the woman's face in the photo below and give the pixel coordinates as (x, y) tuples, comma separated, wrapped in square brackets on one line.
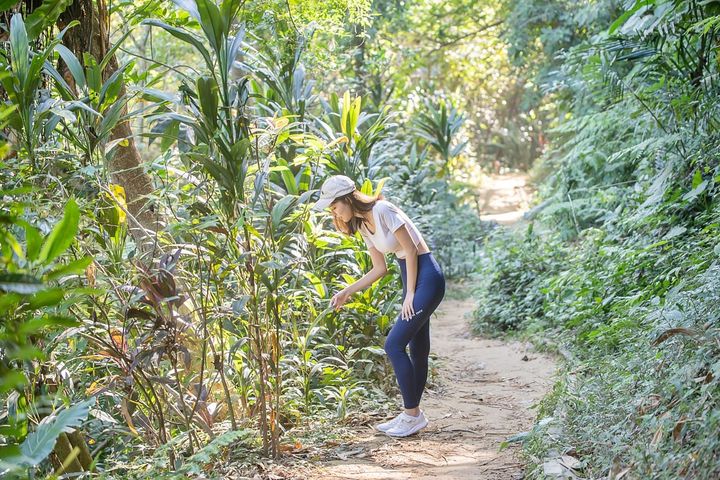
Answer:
[(341, 210)]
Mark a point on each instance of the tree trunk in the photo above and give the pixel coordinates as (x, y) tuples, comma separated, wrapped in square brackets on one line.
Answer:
[(125, 167), (63, 450), (84, 457)]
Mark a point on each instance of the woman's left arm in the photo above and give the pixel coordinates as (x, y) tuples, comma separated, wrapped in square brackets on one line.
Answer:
[(411, 265)]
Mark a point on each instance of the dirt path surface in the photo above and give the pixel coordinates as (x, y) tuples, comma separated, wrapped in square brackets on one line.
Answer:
[(505, 198), (483, 393)]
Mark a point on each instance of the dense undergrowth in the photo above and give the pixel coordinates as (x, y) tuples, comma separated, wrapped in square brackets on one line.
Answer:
[(164, 316), (618, 270)]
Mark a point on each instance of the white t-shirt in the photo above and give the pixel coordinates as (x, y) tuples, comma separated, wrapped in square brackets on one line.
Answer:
[(389, 218)]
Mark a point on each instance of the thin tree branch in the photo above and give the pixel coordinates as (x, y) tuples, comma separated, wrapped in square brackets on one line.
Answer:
[(466, 36)]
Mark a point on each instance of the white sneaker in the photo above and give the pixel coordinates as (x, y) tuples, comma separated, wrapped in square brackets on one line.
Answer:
[(384, 427), (407, 425)]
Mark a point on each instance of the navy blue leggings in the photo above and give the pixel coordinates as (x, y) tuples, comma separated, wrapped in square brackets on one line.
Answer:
[(411, 372)]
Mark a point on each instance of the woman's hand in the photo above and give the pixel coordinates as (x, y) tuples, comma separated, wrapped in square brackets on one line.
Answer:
[(339, 299), (408, 311)]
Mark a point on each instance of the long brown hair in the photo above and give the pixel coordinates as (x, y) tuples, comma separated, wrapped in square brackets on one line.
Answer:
[(359, 203)]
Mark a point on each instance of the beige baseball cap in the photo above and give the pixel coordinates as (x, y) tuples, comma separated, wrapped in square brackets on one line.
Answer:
[(332, 188)]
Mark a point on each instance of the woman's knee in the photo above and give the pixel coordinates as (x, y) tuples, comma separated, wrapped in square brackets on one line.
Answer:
[(392, 346)]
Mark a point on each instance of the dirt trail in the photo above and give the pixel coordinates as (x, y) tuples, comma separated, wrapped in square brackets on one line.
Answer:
[(481, 395), (484, 394), (505, 198)]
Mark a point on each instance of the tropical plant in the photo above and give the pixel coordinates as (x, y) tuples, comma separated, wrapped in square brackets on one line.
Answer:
[(438, 124), (34, 304)]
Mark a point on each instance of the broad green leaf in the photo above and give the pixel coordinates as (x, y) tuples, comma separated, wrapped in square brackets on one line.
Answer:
[(73, 65), (6, 4), (185, 37), (9, 302), (33, 240), (47, 321), (38, 444), (13, 243), (20, 52), (11, 381), (45, 298), (627, 14), (674, 232), (212, 23), (62, 235), (20, 283), (169, 135), (45, 16), (281, 208), (697, 179), (345, 113), (208, 94), (316, 283), (288, 179), (238, 306), (698, 188), (112, 86), (111, 53), (367, 187), (112, 118)]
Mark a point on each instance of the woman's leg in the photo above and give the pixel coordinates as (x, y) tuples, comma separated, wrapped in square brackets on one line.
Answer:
[(419, 353), (395, 344), (411, 375)]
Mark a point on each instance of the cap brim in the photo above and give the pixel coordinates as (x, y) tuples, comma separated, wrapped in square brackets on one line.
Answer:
[(322, 204)]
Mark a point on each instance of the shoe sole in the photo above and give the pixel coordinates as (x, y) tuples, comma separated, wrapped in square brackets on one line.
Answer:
[(383, 430), (415, 429)]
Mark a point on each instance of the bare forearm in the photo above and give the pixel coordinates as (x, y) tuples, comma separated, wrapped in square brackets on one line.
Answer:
[(368, 279), (411, 264)]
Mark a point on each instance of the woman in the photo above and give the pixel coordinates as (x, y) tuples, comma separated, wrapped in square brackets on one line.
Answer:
[(385, 228)]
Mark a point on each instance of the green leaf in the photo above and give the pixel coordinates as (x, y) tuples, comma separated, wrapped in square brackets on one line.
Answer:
[(20, 283), (699, 186), (367, 187), (280, 209), (73, 65), (218, 172), (185, 37), (344, 116), (62, 235), (169, 135), (238, 306), (316, 283), (47, 321), (45, 298), (45, 16), (25, 353), (38, 444), (112, 118), (9, 302), (208, 94), (111, 53), (287, 177), (12, 380), (212, 23), (6, 4), (305, 178), (19, 48), (111, 88), (674, 232), (697, 179), (33, 240), (627, 14)]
